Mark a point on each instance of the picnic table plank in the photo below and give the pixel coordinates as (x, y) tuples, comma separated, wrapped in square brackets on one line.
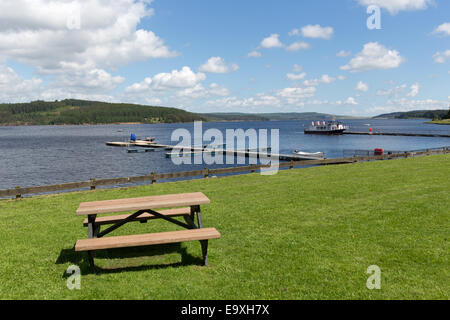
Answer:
[(146, 239), (179, 212), (142, 203)]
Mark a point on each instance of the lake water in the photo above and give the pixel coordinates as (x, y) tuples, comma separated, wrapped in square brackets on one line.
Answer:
[(43, 155)]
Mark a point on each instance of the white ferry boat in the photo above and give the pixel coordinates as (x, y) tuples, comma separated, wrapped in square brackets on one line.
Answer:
[(326, 127)]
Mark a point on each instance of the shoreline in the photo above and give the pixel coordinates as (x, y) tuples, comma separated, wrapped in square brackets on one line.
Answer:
[(439, 122), (206, 121)]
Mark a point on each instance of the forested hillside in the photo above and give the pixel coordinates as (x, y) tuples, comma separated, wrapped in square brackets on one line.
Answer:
[(72, 111)]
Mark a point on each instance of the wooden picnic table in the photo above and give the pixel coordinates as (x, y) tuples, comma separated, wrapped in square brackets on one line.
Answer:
[(186, 205)]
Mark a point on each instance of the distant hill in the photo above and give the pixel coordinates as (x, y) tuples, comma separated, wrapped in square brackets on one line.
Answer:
[(73, 111), (272, 116), (417, 114), (234, 117)]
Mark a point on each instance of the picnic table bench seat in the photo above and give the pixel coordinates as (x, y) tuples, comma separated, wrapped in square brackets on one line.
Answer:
[(185, 205), (147, 239)]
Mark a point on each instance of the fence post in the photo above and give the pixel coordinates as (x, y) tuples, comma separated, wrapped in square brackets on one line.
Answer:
[(18, 193), (206, 173), (253, 168), (406, 154), (291, 166), (92, 184), (153, 178)]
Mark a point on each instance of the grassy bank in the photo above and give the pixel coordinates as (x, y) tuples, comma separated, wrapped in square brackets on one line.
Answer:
[(300, 234), (446, 121)]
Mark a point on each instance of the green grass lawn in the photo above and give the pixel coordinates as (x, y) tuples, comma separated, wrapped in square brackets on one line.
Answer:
[(301, 234), (444, 122)]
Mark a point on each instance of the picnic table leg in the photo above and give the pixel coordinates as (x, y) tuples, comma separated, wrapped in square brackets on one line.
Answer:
[(191, 218), (92, 233), (199, 216), (204, 243)]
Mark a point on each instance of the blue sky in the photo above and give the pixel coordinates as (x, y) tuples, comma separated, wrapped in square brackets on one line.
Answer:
[(229, 56)]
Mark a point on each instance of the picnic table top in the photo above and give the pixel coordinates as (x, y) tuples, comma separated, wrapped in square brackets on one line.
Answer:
[(151, 202)]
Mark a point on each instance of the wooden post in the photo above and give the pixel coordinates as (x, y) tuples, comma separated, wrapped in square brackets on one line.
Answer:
[(291, 166), (18, 194), (153, 178), (206, 173), (92, 184)]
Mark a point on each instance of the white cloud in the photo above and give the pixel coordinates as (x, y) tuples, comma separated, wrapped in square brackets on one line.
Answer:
[(325, 79), (351, 100), (297, 68), (82, 84), (393, 91), (374, 56), (294, 32), (441, 57), (140, 86), (177, 79), (218, 90), (394, 6), (443, 29), (254, 54), (361, 86), (195, 92), (185, 78), (296, 95), (271, 42), (292, 97), (78, 43), (295, 76), (14, 88), (254, 103), (343, 54), (342, 78), (316, 31), (153, 101), (300, 45), (317, 102), (218, 65), (414, 90), (404, 104), (36, 33), (88, 80), (178, 86)]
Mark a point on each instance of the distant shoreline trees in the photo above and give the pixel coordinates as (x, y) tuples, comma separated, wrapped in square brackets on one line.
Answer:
[(72, 111)]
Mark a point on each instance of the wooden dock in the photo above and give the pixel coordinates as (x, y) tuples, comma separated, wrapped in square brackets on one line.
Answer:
[(236, 153), (196, 150), (398, 134), (137, 143)]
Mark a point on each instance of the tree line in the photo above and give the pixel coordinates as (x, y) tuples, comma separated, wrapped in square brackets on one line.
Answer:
[(72, 111)]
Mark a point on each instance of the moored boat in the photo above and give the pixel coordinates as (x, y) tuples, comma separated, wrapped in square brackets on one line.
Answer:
[(326, 127), (318, 155)]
